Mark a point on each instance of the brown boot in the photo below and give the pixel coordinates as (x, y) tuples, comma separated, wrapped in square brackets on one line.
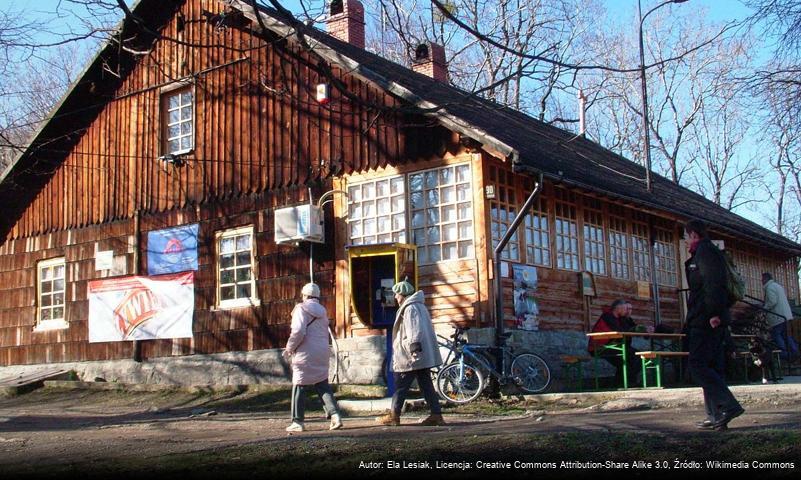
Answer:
[(433, 420), (388, 419)]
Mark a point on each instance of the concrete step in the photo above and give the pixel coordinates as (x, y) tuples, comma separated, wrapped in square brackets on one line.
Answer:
[(12, 386)]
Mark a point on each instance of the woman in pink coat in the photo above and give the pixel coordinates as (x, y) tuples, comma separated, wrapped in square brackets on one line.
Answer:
[(307, 351)]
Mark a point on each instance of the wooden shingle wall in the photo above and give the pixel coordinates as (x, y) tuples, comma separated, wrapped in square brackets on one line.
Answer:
[(280, 273)]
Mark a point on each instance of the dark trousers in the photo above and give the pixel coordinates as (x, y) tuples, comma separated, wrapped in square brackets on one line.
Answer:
[(707, 369), (403, 381), (784, 342), (299, 400)]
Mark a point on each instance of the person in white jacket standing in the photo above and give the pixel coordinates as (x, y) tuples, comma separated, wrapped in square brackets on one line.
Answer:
[(307, 351), (414, 353), (779, 313)]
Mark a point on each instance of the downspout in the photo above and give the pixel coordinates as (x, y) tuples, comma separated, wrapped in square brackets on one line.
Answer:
[(137, 345), (654, 276), (496, 269)]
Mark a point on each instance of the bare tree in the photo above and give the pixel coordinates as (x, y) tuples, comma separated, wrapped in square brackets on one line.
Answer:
[(782, 183)]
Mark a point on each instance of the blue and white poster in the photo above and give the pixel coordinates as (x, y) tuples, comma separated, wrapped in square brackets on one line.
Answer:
[(172, 250)]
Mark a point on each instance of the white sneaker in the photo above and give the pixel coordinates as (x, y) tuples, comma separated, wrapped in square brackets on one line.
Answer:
[(295, 427), (336, 422)]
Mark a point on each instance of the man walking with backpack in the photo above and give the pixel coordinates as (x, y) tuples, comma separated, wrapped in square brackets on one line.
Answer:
[(707, 317)]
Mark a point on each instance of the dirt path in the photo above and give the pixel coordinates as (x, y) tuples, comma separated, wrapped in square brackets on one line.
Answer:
[(76, 429)]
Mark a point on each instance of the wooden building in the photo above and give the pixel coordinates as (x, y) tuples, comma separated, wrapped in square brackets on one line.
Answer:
[(207, 112)]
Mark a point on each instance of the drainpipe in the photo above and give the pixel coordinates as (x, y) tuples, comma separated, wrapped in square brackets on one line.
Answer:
[(137, 345), (497, 259), (654, 276)]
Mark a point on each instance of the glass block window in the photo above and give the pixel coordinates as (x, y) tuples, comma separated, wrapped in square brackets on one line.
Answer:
[(377, 211), (566, 230), (441, 211), (236, 284), (51, 280), (178, 121), (665, 258), (538, 236), (594, 249), (619, 248), (641, 251), (503, 209)]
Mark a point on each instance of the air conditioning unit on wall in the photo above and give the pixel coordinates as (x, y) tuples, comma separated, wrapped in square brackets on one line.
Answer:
[(302, 223)]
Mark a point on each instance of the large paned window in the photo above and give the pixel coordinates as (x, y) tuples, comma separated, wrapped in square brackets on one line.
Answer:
[(566, 230), (665, 256), (640, 250), (377, 211), (619, 248), (503, 210), (538, 239), (442, 213), (594, 248), (236, 284), (51, 305), (178, 121)]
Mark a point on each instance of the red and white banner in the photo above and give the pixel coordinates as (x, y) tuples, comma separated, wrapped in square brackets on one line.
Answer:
[(141, 308)]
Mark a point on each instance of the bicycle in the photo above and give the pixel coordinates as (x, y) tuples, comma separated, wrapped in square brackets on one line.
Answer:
[(464, 380)]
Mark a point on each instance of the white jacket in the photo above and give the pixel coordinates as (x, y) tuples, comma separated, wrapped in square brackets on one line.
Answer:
[(413, 325), (776, 302), (308, 343)]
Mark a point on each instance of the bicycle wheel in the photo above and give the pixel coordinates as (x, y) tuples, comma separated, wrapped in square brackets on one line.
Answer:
[(531, 373), (459, 383)]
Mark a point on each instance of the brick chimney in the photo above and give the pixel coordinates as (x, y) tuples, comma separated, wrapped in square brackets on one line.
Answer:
[(346, 21), (429, 59)]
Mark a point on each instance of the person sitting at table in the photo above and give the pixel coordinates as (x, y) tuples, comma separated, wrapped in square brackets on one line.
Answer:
[(615, 319)]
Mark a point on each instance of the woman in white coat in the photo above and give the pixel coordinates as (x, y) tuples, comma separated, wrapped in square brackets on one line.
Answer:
[(414, 353), (307, 351)]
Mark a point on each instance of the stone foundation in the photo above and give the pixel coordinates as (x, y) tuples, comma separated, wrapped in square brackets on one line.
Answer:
[(361, 361)]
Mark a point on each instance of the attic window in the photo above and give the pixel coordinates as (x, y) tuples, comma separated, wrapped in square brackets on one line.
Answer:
[(337, 7), (178, 121)]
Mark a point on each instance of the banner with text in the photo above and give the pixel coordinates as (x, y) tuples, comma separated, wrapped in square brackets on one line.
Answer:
[(141, 308)]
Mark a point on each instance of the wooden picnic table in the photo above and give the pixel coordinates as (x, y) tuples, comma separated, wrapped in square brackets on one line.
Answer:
[(620, 346)]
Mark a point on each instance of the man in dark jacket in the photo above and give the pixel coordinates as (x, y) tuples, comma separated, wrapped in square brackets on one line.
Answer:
[(707, 318)]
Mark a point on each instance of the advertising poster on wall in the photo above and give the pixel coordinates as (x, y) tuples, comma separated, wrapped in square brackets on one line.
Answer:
[(172, 250), (526, 309), (141, 308)]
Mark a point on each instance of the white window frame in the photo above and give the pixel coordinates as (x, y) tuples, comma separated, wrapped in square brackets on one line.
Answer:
[(52, 323), (166, 94), (568, 256), (594, 242), (538, 234), (619, 248), (358, 203), (240, 302), (457, 223), (665, 258)]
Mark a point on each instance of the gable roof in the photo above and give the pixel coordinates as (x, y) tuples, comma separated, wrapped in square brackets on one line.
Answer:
[(530, 145)]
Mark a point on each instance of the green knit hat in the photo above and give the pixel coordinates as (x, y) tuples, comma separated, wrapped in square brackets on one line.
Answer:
[(403, 288)]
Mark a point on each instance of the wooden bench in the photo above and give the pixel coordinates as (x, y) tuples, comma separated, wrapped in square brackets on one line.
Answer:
[(652, 360), (572, 366)]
